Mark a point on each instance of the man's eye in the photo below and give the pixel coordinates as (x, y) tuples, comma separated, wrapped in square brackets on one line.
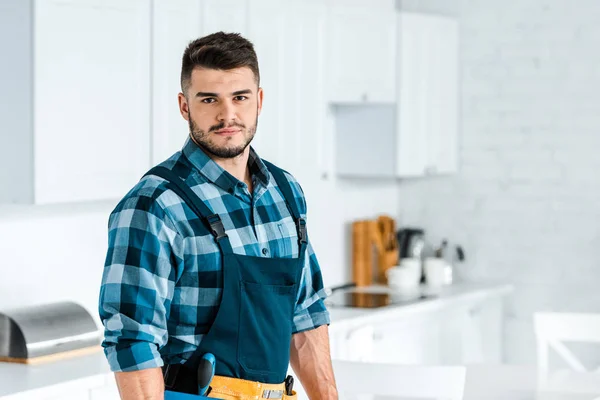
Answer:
[(240, 98), (208, 100)]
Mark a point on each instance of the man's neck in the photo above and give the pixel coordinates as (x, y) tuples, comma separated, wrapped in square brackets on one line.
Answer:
[(237, 166)]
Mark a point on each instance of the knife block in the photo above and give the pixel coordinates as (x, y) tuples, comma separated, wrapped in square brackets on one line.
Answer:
[(371, 247)]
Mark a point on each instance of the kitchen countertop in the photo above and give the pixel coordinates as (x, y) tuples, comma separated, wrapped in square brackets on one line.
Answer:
[(93, 369), (343, 318)]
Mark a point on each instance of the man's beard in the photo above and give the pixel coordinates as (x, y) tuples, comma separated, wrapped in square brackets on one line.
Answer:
[(202, 138)]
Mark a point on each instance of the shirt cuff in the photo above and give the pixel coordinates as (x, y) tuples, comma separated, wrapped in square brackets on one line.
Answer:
[(307, 321), (133, 356)]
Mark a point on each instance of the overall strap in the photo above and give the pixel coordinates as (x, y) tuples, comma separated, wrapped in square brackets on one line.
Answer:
[(212, 220), (286, 189)]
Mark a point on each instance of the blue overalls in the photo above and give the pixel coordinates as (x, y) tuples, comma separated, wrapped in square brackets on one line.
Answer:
[(252, 331)]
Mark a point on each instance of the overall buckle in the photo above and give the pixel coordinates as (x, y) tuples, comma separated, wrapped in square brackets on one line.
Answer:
[(301, 224), (216, 226)]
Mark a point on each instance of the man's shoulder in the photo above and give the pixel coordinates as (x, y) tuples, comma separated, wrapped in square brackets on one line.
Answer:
[(294, 184), (148, 193)]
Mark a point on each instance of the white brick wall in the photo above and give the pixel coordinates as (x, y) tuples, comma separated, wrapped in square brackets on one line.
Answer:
[(527, 200)]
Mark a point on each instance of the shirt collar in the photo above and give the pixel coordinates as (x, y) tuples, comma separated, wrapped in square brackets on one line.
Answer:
[(216, 174)]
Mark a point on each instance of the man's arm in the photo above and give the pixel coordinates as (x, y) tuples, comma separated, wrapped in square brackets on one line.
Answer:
[(136, 294), (146, 384), (311, 361)]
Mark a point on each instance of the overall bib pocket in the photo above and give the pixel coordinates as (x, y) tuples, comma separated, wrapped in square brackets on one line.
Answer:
[(261, 342)]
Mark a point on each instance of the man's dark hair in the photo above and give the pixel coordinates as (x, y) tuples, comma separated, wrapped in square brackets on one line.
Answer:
[(218, 50)]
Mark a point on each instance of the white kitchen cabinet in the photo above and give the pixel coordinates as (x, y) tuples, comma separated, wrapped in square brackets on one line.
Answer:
[(175, 24), (78, 389), (363, 133), (418, 135), (362, 52), (268, 31), (78, 129), (427, 107), (460, 333), (109, 391), (301, 146), (224, 15)]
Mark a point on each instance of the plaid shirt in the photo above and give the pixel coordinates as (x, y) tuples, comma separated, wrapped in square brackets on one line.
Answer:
[(162, 281)]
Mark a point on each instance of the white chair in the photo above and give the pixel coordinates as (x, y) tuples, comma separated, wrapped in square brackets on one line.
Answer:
[(401, 381), (551, 330)]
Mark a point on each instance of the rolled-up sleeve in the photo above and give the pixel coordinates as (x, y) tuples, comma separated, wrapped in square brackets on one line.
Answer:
[(310, 309), (137, 283)]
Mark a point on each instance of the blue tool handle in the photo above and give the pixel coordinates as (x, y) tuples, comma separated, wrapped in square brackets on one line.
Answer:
[(206, 371)]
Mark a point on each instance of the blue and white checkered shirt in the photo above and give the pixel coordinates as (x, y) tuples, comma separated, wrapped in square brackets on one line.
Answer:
[(162, 280)]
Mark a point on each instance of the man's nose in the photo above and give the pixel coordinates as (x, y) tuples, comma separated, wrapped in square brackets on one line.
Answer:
[(227, 111)]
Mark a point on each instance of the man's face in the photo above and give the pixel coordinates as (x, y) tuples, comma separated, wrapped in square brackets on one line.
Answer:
[(222, 109)]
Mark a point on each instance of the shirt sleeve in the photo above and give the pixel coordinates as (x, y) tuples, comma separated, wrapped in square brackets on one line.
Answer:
[(137, 283), (310, 312)]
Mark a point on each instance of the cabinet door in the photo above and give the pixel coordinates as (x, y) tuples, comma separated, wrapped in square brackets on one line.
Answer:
[(175, 24), (408, 341), (109, 392), (427, 113), (224, 15), (443, 155), (301, 144), (91, 98), (362, 63), (268, 31)]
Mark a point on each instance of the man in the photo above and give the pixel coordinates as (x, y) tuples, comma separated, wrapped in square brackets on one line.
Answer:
[(208, 253)]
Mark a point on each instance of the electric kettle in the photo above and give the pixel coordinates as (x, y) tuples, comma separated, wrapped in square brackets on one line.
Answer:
[(411, 242)]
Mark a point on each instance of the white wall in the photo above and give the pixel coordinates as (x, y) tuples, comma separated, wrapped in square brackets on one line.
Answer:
[(526, 203)]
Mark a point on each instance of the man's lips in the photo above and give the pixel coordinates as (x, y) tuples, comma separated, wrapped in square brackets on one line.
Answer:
[(228, 131)]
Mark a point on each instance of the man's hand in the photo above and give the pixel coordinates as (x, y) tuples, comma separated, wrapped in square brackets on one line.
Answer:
[(311, 361), (146, 384)]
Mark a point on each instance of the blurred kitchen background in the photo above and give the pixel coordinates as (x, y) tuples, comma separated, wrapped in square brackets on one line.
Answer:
[(475, 120)]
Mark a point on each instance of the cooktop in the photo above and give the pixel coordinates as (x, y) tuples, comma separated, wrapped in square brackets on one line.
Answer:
[(373, 300)]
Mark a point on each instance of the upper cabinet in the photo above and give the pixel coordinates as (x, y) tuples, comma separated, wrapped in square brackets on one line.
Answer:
[(91, 90), (78, 129), (302, 144), (176, 24), (427, 107), (362, 52), (269, 32), (418, 135), (289, 40), (224, 15)]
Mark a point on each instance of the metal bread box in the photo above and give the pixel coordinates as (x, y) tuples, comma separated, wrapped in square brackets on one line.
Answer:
[(47, 332)]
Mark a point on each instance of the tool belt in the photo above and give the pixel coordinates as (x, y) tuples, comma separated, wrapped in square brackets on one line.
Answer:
[(178, 378)]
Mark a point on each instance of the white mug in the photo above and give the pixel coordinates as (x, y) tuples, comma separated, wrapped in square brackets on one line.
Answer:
[(403, 278), (413, 264), (435, 271)]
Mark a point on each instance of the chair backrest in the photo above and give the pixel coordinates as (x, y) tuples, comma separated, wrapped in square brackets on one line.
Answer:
[(552, 329), (413, 381)]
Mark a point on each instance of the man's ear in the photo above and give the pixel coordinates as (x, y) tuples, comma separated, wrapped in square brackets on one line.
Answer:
[(259, 97), (184, 107)]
